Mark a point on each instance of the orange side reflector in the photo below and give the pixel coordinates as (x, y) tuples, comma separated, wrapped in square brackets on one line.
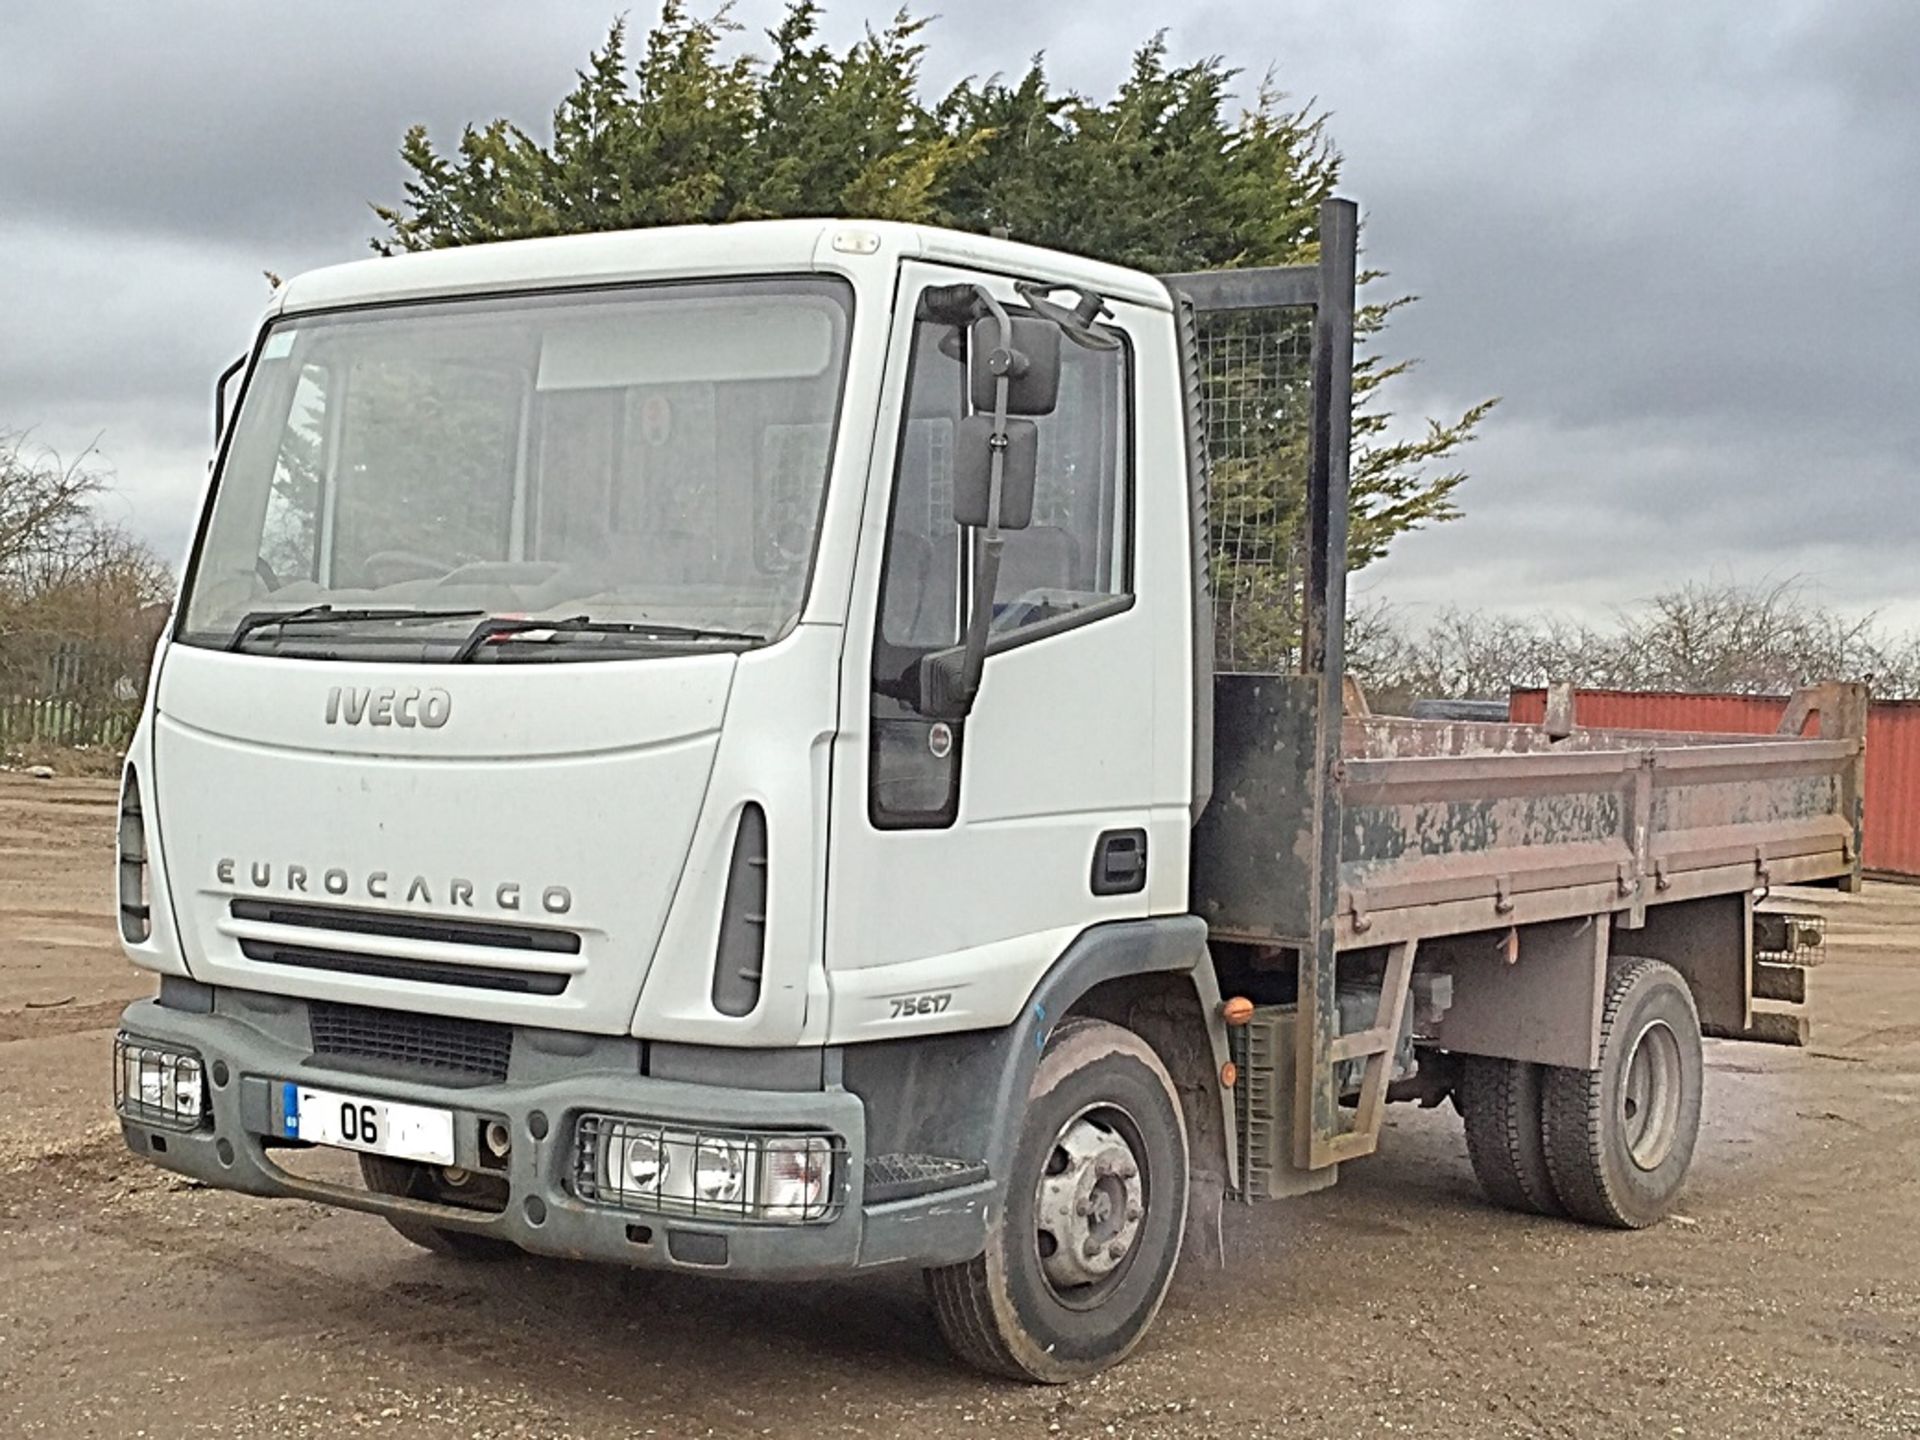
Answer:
[(1229, 1074), (1237, 1011)]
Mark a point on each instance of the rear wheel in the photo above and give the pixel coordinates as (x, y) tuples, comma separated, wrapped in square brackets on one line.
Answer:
[(1083, 1248), (1501, 1103), (1620, 1139), (387, 1176)]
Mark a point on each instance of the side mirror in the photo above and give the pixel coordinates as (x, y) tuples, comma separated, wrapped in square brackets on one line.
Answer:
[(1033, 367), (973, 472)]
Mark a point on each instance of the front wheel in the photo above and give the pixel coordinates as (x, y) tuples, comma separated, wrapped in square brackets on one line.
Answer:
[(1083, 1248)]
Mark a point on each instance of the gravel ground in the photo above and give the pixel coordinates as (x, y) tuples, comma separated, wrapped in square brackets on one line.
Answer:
[(1783, 1300)]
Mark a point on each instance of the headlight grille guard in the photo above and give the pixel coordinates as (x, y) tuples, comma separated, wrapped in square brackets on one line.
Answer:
[(594, 1181), (172, 1070)]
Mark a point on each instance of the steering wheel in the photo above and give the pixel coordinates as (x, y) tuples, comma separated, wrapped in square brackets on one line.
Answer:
[(265, 573)]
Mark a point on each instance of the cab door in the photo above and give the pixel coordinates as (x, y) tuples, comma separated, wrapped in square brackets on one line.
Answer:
[(967, 856)]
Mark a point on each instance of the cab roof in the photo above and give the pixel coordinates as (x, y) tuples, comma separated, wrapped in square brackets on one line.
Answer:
[(757, 247)]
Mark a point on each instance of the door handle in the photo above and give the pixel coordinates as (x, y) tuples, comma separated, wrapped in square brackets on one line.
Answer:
[(1120, 862)]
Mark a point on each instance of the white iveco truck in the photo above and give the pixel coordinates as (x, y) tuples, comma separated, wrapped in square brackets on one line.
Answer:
[(745, 750)]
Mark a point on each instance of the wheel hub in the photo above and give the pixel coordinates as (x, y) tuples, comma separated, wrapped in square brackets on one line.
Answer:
[(1089, 1203), (1650, 1096)]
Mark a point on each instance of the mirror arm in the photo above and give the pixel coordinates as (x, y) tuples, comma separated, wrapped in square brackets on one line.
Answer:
[(957, 703), (220, 398), (1076, 324), (1003, 362)]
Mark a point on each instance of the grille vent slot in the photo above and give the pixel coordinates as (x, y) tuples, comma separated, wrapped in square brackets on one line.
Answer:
[(445, 1046), (341, 919)]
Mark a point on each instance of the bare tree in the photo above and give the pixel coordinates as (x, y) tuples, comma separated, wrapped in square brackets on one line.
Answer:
[(44, 504), (1725, 637)]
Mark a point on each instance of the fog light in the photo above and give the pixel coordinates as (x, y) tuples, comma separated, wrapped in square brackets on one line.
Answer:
[(158, 1085)]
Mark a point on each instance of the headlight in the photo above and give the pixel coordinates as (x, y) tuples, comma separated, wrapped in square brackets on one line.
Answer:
[(637, 1162), (720, 1171), (735, 1175), (156, 1084)]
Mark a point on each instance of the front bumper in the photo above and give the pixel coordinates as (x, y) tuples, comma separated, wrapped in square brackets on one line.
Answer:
[(250, 1045)]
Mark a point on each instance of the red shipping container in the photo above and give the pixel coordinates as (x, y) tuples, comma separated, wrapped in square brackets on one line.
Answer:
[(1892, 802)]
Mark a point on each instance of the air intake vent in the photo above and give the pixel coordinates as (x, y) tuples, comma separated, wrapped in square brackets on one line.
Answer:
[(470, 1050), (743, 919), (136, 914)]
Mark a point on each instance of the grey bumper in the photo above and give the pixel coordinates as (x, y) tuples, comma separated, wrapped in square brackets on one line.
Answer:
[(252, 1045)]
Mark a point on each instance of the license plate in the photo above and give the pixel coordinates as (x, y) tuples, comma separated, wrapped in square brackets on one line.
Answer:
[(355, 1122)]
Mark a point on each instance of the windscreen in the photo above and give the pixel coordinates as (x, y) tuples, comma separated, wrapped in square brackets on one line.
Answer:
[(643, 464)]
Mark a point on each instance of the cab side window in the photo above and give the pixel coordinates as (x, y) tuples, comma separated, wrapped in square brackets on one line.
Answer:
[(1074, 559)]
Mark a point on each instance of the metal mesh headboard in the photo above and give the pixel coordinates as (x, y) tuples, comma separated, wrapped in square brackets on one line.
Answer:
[(1256, 380), (1273, 402)]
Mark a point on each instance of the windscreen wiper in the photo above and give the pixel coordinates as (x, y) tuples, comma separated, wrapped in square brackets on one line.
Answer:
[(325, 614), (503, 627)]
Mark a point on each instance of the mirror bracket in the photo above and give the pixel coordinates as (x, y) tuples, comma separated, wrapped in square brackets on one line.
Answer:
[(948, 681)]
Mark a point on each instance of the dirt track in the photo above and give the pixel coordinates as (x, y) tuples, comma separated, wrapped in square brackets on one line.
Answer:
[(1785, 1301)]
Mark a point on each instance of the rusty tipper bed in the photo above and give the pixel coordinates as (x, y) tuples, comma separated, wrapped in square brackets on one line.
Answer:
[(1463, 891)]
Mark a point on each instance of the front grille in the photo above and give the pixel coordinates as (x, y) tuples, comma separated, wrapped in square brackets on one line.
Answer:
[(476, 1050), (385, 967), (491, 933), (329, 921)]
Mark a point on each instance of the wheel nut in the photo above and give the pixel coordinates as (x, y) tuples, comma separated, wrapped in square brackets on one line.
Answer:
[(1116, 1250), (1133, 1213), (1083, 1208)]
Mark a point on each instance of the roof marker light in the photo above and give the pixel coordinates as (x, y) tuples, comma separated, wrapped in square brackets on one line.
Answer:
[(856, 242)]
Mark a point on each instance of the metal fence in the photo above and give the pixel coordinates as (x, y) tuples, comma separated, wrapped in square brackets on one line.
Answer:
[(56, 692)]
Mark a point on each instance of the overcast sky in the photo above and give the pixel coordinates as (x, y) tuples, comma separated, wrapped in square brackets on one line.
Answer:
[(1677, 238)]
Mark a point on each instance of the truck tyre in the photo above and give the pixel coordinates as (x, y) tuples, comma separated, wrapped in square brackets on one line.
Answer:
[(387, 1176), (1501, 1102), (1619, 1140), (1083, 1248)]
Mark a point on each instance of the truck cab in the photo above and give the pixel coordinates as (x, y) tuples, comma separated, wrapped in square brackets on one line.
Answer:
[(565, 739)]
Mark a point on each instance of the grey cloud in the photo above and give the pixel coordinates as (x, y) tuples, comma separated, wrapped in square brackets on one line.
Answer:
[(1676, 238), (273, 124)]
